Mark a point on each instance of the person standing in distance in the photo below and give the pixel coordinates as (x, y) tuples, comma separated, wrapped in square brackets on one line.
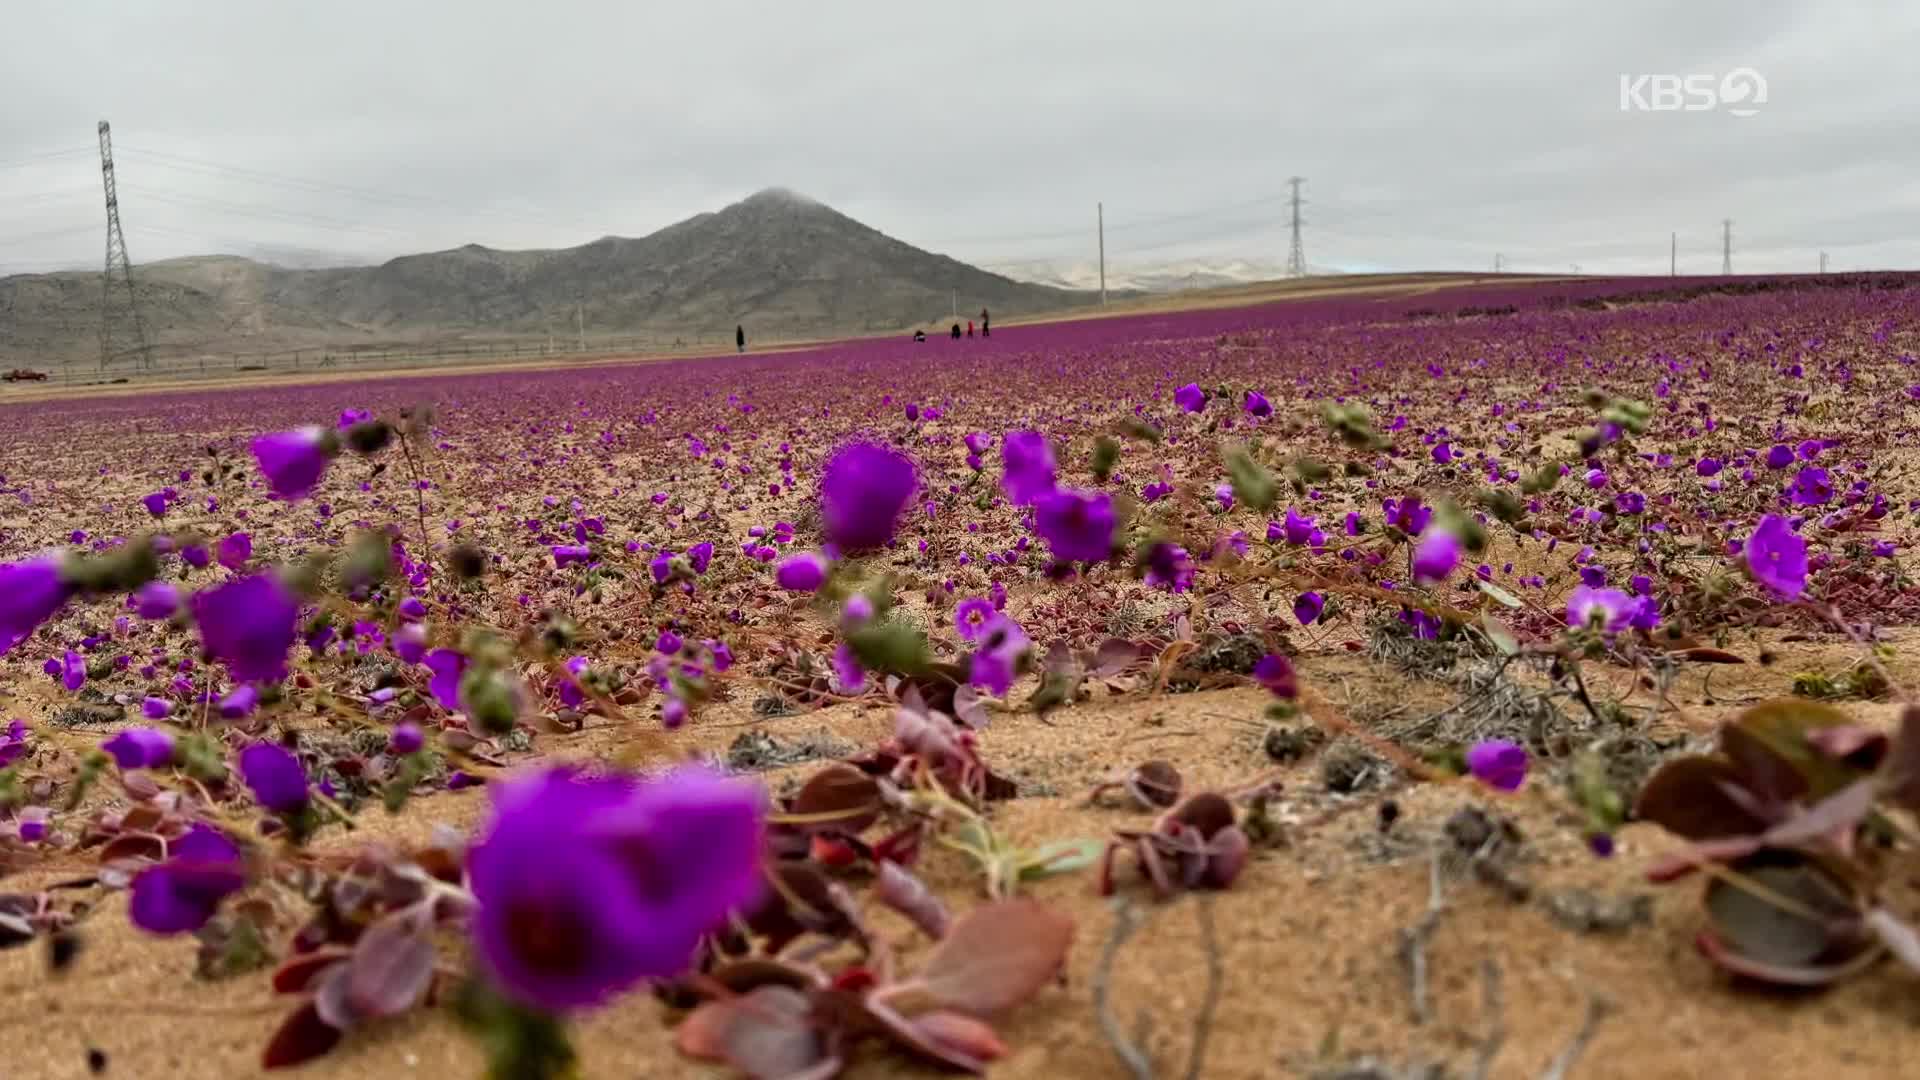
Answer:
[(740, 339), (986, 326)]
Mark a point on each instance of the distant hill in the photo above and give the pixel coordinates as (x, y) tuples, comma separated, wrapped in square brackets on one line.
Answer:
[(784, 265), (1174, 275)]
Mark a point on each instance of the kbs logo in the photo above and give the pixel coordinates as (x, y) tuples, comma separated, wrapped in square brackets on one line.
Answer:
[(1739, 92)]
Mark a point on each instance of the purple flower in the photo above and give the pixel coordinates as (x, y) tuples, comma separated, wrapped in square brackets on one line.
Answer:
[(1307, 607), (1169, 567), (565, 555), (1596, 478), (1190, 397), (196, 556), (1408, 515), (1224, 492), (239, 704), (803, 571), (1779, 457), (248, 624), (1707, 466), (862, 492), (668, 643), (673, 713), (588, 885), (1425, 627), (1257, 405), (235, 550), (699, 556), (154, 708), (970, 619), (1435, 557), (447, 666), (406, 738), (847, 670), (1078, 525), (1885, 549), (156, 503), (997, 654), (1630, 502), (1442, 453), (1275, 672), (181, 894), (31, 592), (1609, 610), (1777, 558), (140, 748), (293, 461), (1298, 528), (1027, 467), (73, 670), (1812, 487), (1498, 763), (275, 777), (156, 600), (410, 642), (350, 417)]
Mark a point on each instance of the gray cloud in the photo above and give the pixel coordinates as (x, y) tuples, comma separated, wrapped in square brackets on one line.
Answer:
[(1432, 136)]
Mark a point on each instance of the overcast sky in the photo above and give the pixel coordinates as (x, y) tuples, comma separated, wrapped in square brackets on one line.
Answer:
[(1431, 135)]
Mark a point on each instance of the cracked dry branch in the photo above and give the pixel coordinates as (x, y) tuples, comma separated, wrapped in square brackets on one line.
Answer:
[(1598, 1009), (1126, 922), (1414, 939)]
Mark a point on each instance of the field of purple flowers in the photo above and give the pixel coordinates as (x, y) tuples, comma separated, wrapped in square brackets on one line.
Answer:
[(1324, 688)]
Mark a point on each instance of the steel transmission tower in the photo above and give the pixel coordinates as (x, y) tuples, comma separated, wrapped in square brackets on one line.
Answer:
[(1296, 254), (1726, 246), (121, 331)]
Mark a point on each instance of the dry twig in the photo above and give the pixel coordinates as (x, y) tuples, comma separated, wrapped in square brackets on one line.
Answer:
[(1598, 1009), (1413, 940)]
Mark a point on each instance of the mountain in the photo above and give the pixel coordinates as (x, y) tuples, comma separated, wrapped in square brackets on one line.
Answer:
[(784, 265), (1152, 277)]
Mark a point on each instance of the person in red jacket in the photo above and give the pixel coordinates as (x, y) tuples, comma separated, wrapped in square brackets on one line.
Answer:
[(969, 327)]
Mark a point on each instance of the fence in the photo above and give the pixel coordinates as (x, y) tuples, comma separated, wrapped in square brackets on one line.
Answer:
[(349, 358)]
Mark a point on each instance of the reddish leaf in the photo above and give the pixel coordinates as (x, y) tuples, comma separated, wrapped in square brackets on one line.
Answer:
[(997, 957), (330, 998), (769, 1033), (968, 708), (1686, 797), (1903, 761), (1679, 864), (1116, 655), (392, 966), (1897, 935), (900, 890), (1841, 812), (1768, 745), (957, 1041), (299, 972), (1803, 975), (1705, 655), (1857, 746), (703, 1034), (849, 795), (133, 846), (302, 1037)]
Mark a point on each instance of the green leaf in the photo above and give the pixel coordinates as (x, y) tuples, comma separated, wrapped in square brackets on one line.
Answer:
[(1059, 857), (1499, 595)]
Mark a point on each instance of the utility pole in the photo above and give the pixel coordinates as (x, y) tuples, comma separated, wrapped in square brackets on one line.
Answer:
[(1726, 246), (1498, 260), (1673, 254), (1823, 262), (953, 299), (1100, 222), (121, 329), (580, 325), (1296, 252)]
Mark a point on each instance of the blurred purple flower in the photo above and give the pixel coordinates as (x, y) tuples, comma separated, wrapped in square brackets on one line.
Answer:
[(293, 461), (1027, 467), (1812, 486), (235, 550), (1168, 567), (863, 490), (1275, 672), (1498, 763), (156, 600), (1435, 557), (997, 654), (803, 571), (1078, 525), (182, 893), (249, 625), (1777, 558), (588, 885), (1256, 404), (275, 777), (1308, 606), (1190, 397), (140, 748), (1604, 609), (31, 592)]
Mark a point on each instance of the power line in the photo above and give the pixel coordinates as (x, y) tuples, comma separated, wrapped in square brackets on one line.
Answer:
[(48, 156)]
